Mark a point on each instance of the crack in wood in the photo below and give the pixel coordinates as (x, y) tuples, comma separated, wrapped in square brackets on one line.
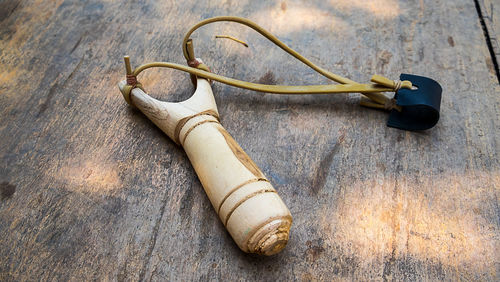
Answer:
[(323, 170), (488, 38), (154, 237), (44, 106), (77, 44), (5, 12)]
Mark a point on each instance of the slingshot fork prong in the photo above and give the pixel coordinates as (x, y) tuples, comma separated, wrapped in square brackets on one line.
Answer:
[(128, 68)]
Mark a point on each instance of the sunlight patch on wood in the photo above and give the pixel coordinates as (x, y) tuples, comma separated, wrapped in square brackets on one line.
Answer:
[(444, 220), (296, 19), (90, 174), (386, 9)]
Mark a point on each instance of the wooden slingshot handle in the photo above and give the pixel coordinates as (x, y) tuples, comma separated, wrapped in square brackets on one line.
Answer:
[(245, 201)]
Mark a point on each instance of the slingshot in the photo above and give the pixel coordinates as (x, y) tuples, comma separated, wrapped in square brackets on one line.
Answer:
[(242, 196)]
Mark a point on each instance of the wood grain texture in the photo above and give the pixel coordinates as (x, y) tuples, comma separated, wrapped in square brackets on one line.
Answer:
[(101, 193)]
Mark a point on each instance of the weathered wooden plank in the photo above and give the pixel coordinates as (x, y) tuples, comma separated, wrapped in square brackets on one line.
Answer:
[(100, 193), (490, 11)]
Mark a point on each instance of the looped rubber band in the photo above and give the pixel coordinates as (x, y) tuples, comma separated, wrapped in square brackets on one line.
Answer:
[(198, 63), (198, 69), (131, 84), (131, 79), (421, 103), (193, 63), (397, 85)]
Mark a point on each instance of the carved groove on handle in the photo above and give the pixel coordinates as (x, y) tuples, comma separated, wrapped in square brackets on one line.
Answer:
[(194, 126), (248, 197), (183, 121), (238, 187)]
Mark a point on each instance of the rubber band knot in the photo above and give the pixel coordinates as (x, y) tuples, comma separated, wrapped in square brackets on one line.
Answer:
[(131, 84), (397, 85), (131, 79), (193, 63)]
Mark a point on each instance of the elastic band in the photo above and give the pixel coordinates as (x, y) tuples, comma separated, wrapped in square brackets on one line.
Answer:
[(197, 68)]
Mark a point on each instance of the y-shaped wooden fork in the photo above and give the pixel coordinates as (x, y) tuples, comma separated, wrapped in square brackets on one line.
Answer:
[(245, 201)]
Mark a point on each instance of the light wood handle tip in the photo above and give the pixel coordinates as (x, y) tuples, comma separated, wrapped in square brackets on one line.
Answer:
[(271, 238)]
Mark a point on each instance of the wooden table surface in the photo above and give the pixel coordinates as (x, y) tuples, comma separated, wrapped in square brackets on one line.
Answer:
[(92, 190)]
